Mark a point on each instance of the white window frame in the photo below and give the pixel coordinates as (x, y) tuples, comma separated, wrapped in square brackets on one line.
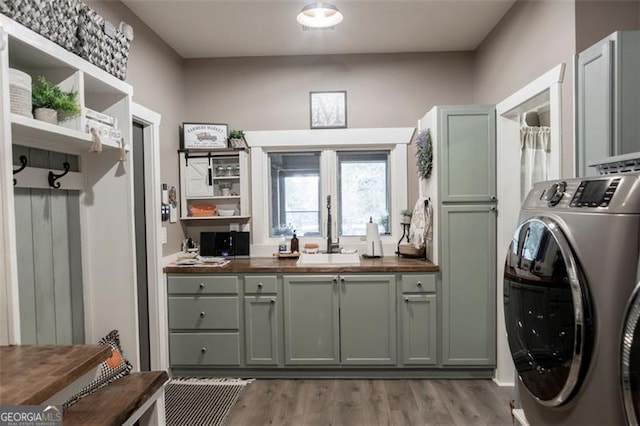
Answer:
[(329, 141)]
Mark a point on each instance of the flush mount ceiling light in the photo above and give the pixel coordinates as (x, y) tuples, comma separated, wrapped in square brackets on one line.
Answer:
[(319, 15)]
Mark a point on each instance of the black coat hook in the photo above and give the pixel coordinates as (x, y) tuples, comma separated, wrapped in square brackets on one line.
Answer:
[(23, 164), (54, 177)]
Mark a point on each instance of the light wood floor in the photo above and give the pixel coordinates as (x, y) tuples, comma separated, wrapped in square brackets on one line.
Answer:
[(372, 402)]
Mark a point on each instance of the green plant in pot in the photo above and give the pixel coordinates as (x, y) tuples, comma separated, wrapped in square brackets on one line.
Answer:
[(49, 101), (236, 139)]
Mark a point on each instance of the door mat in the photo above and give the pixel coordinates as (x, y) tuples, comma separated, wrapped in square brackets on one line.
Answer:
[(201, 402)]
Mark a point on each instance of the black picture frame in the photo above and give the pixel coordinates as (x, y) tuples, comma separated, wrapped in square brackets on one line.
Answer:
[(204, 135), (328, 109)]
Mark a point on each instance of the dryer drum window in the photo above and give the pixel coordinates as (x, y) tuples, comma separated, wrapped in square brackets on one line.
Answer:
[(547, 312), (630, 362)]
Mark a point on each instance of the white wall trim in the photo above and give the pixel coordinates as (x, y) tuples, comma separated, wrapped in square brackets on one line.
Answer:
[(537, 86), (508, 189), (329, 137), (9, 302), (159, 347)]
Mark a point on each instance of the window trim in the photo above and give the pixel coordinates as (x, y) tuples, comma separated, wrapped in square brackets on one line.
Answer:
[(261, 143)]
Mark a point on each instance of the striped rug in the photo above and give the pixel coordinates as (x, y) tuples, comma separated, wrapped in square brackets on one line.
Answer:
[(191, 401)]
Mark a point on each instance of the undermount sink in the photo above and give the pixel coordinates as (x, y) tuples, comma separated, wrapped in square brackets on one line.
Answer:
[(329, 259)]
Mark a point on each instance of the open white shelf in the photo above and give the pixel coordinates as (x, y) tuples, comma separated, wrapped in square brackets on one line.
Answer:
[(39, 134), (218, 197), (217, 218)]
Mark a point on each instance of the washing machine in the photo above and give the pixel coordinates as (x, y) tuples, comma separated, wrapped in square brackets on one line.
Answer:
[(570, 271)]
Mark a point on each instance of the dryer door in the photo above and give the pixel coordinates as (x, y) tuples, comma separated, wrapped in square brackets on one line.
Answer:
[(547, 312), (630, 362)]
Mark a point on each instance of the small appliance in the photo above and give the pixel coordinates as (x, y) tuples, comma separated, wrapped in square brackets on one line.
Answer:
[(225, 244)]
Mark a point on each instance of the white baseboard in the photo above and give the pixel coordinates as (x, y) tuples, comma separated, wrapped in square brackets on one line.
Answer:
[(518, 415)]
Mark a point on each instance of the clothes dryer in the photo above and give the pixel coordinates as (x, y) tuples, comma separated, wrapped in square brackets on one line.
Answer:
[(570, 270)]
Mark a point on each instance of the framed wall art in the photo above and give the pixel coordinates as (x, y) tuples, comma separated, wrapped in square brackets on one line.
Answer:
[(328, 110), (204, 135)]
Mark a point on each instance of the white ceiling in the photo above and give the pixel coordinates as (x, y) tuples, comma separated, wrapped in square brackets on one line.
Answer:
[(228, 28)]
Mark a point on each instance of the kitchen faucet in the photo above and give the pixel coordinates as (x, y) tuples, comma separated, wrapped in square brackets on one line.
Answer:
[(331, 246)]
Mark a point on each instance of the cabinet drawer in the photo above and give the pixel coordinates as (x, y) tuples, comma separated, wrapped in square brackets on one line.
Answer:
[(203, 313), (202, 284), (204, 348), (260, 284), (419, 283)]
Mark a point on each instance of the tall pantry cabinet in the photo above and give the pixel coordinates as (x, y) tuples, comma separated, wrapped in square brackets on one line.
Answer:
[(607, 100), (462, 191), (103, 188)]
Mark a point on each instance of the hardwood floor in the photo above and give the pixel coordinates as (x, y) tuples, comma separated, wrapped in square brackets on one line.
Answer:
[(372, 402)]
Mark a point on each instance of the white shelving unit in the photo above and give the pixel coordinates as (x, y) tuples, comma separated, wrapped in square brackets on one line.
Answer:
[(202, 173), (105, 184)]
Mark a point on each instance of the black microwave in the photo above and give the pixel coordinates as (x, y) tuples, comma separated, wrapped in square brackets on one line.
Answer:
[(224, 244)]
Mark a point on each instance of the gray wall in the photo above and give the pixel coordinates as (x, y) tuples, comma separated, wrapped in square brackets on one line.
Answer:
[(597, 19), (531, 39), (272, 93), (156, 73)]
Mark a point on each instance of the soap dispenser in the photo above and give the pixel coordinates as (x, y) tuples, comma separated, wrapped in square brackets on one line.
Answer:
[(294, 242)]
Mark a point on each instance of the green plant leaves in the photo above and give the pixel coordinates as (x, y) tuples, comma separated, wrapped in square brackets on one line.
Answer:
[(45, 94), (424, 153)]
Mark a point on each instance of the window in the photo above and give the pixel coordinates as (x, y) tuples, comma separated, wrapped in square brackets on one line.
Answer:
[(363, 188), (293, 172), (295, 193)]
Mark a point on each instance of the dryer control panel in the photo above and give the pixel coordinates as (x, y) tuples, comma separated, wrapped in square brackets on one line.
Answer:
[(595, 193)]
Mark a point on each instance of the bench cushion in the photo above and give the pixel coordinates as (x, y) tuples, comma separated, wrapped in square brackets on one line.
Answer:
[(115, 403)]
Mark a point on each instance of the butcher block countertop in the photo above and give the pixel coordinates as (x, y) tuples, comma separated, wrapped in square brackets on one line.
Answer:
[(29, 375), (275, 266)]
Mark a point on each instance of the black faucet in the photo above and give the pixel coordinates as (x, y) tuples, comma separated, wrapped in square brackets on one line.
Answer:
[(331, 246)]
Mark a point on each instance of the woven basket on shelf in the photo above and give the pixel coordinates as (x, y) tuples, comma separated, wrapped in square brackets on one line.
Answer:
[(20, 92), (102, 44), (56, 20)]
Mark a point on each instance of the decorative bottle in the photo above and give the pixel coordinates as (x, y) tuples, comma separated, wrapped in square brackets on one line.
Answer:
[(294, 242)]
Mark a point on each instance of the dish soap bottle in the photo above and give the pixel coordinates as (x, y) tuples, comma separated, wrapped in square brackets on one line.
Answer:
[(294, 243), (283, 244)]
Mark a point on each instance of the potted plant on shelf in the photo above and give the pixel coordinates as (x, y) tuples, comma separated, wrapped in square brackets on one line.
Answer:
[(225, 187), (236, 139), (49, 101)]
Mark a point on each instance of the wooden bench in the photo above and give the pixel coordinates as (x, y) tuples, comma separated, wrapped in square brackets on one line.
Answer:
[(121, 402)]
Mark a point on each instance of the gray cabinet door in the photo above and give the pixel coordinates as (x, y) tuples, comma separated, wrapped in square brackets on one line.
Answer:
[(468, 285), (311, 320), (594, 104), (262, 330), (419, 313), (467, 146), (368, 319)]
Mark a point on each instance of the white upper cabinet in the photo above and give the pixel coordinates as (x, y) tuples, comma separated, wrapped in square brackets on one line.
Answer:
[(607, 100), (214, 185)]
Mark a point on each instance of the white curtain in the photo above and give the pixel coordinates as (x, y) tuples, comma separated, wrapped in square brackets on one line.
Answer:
[(534, 157)]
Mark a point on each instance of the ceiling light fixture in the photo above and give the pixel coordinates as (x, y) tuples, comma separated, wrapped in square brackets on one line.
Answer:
[(319, 15)]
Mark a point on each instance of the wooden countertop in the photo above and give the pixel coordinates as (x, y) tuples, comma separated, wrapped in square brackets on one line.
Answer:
[(274, 265), (29, 375)]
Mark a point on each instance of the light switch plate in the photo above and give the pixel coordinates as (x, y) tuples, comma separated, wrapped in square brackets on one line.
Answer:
[(163, 235)]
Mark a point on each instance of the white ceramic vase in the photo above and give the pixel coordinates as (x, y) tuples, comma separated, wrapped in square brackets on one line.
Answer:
[(47, 114)]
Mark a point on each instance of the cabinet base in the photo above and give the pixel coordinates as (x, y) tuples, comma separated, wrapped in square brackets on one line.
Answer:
[(328, 373)]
